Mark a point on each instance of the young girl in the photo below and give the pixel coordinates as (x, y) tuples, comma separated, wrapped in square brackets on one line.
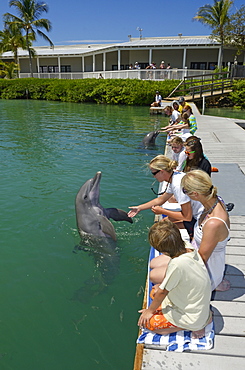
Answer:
[(178, 151), (192, 119), (184, 290)]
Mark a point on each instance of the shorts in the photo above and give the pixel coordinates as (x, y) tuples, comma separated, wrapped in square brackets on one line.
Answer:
[(159, 321)]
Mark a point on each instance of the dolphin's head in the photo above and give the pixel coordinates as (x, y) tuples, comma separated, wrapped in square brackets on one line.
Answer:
[(150, 138), (90, 191)]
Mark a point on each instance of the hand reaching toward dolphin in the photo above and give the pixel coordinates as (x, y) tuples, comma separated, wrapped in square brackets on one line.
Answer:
[(133, 211)]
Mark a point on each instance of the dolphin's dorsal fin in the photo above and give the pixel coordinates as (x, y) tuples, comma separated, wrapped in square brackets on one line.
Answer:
[(117, 214), (107, 227)]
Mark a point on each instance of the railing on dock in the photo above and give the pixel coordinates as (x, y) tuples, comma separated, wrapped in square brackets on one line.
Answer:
[(196, 86)]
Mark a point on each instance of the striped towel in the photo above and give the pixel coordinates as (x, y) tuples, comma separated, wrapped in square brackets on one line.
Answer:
[(180, 341)]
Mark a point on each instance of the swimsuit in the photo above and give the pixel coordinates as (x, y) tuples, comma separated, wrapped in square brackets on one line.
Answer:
[(216, 262)]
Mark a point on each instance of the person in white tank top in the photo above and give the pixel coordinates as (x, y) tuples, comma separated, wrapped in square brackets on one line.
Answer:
[(211, 231)]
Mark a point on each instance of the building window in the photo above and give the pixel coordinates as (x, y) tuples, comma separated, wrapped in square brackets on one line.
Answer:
[(198, 65), (43, 69), (65, 68), (53, 69), (143, 65), (115, 67)]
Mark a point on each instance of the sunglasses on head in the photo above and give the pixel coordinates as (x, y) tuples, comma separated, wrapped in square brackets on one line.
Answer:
[(185, 191)]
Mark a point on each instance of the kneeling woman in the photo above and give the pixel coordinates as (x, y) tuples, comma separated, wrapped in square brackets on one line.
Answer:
[(184, 292), (211, 231)]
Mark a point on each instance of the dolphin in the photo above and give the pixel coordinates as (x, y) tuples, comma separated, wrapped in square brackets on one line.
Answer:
[(149, 139), (98, 237), (92, 218)]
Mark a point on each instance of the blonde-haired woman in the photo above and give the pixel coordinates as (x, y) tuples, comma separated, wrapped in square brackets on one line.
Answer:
[(211, 232), (162, 168)]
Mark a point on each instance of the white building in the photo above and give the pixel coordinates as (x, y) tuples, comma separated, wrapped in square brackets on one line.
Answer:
[(89, 60)]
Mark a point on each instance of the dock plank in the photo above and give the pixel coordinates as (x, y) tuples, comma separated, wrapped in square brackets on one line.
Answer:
[(235, 250), (232, 326), (229, 309), (155, 359), (233, 294)]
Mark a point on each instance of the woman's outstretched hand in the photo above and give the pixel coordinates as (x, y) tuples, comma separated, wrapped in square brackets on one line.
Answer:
[(133, 211)]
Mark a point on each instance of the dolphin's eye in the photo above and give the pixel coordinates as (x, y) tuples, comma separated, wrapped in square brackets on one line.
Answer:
[(85, 196)]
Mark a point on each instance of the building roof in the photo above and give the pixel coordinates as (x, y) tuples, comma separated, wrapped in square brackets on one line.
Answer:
[(73, 50), (69, 50), (171, 41)]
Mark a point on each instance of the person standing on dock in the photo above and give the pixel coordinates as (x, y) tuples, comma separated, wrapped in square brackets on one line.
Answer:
[(162, 168)]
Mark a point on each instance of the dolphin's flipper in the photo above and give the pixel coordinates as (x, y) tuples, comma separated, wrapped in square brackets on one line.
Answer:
[(107, 227), (117, 214)]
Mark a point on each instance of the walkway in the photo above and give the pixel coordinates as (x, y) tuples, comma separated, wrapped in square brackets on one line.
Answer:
[(224, 144)]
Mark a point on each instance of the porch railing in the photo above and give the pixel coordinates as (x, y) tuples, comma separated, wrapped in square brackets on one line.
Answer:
[(141, 74)]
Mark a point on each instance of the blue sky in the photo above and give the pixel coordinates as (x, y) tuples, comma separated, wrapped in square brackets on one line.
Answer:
[(75, 21)]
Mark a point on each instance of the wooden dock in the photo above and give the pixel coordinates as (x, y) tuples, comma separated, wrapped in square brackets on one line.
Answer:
[(224, 142)]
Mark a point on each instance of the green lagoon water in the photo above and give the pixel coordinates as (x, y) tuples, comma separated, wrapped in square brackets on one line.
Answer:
[(48, 150), (225, 112)]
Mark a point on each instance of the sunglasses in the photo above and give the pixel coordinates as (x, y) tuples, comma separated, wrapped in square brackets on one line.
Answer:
[(185, 191), (188, 153), (154, 173)]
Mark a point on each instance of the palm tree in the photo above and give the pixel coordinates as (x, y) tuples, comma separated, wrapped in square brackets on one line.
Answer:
[(216, 16), (28, 20), (11, 39), (8, 69)]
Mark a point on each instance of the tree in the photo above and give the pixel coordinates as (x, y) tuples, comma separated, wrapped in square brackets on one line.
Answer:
[(236, 30), (217, 17), (28, 20), (11, 39), (8, 69)]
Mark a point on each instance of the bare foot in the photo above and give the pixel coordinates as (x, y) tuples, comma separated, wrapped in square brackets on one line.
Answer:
[(201, 333), (198, 334), (223, 286)]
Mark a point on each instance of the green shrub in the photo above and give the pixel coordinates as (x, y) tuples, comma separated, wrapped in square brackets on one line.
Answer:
[(108, 91), (238, 93)]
